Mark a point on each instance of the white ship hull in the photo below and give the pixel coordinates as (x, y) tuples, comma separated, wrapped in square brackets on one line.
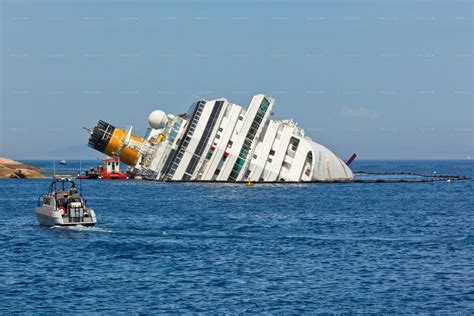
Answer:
[(220, 141)]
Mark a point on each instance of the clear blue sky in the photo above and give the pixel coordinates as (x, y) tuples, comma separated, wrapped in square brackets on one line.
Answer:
[(386, 79)]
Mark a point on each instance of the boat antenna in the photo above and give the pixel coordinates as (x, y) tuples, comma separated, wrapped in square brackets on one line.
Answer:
[(80, 179)]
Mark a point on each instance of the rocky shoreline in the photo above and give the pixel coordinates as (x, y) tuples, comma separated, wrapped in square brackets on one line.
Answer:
[(13, 169)]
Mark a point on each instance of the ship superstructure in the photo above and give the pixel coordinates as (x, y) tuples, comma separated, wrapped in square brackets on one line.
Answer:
[(216, 140)]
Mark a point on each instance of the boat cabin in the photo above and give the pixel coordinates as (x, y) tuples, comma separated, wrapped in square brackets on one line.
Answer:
[(111, 165)]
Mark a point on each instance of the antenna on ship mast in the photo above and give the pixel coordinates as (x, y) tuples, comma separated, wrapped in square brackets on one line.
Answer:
[(80, 179), (88, 130)]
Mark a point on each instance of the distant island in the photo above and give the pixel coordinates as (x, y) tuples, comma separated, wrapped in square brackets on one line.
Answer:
[(13, 169)]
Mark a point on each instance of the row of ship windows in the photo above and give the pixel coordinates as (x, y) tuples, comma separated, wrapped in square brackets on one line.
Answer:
[(224, 158), (204, 138), (269, 159), (249, 171), (174, 131), (241, 160), (240, 163), (249, 139), (185, 144)]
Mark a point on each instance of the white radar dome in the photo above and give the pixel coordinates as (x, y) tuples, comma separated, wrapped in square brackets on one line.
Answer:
[(157, 119)]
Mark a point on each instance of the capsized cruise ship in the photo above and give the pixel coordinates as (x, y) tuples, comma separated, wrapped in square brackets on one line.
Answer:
[(216, 140)]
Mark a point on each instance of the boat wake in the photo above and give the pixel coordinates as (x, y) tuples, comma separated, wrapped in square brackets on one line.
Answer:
[(83, 228)]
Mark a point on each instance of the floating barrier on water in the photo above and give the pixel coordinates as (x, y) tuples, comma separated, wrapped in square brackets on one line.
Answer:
[(409, 177), (415, 177)]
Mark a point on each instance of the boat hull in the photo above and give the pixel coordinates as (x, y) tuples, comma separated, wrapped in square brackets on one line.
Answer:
[(114, 176), (51, 218), (88, 177)]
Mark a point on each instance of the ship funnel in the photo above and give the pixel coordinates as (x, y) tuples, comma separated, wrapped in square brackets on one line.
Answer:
[(115, 142)]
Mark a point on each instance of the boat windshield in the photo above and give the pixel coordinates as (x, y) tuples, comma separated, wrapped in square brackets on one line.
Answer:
[(63, 185)]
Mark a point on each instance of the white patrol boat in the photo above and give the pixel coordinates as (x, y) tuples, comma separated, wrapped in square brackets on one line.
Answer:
[(63, 205)]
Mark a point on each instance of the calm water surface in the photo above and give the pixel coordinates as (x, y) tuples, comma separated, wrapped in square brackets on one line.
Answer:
[(163, 247)]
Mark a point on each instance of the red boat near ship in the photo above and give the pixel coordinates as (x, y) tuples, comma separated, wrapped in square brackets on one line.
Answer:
[(109, 171)]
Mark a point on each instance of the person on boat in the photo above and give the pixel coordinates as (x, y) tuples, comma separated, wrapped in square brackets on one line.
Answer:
[(62, 206)]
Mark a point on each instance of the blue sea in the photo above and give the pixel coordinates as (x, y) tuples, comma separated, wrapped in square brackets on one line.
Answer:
[(397, 248)]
